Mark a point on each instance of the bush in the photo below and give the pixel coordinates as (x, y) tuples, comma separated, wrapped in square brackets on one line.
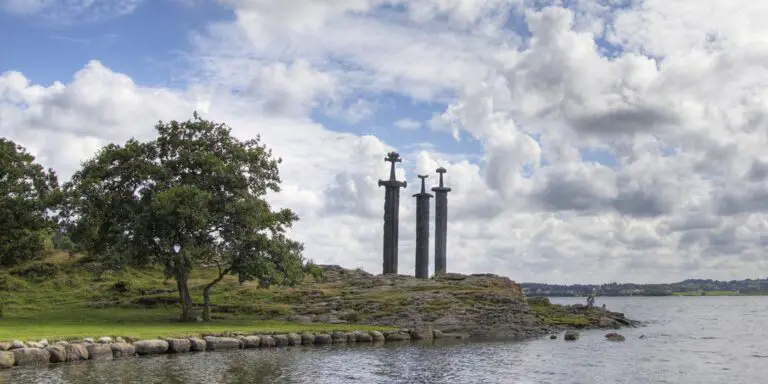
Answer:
[(36, 271), (539, 300)]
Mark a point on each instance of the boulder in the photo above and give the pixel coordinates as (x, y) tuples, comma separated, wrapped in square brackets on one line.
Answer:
[(607, 322), (338, 337), (6, 359), (31, 356), (267, 341), (57, 352), (377, 336), (294, 339), (104, 340), (88, 340), (571, 335), (151, 347), (552, 337), (61, 342), (437, 334), (5, 346), (76, 352), (44, 343), (119, 340), (363, 337), (323, 338), (423, 333), (213, 343), (614, 337), (178, 345), (197, 344), (398, 336), (251, 341), (351, 337), (16, 344), (120, 350), (280, 340), (34, 344), (307, 338), (99, 352)]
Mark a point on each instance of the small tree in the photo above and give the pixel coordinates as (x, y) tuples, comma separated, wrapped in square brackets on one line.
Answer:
[(194, 195), (27, 193)]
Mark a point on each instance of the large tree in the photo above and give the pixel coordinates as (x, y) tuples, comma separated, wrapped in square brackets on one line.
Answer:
[(194, 196), (27, 194)]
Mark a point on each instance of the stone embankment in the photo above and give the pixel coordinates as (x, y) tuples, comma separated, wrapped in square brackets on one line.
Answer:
[(41, 353)]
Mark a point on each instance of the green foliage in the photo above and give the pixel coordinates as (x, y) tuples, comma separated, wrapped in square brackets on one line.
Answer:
[(197, 190), (27, 193)]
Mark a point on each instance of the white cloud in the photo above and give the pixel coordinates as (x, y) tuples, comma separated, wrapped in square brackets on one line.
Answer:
[(408, 124), (676, 116), (69, 11)]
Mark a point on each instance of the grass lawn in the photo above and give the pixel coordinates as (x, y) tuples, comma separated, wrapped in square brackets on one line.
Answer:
[(143, 324), (62, 299)]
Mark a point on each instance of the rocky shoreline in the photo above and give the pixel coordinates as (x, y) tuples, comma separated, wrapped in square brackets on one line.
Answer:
[(41, 353)]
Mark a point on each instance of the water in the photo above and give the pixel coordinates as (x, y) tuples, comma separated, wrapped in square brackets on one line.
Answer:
[(689, 340)]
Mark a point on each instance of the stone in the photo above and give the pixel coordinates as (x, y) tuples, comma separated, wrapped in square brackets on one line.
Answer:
[(16, 344), (323, 338), (267, 341), (76, 352), (307, 338), (178, 345), (571, 335), (99, 352), (455, 336), (423, 333), (34, 344), (61, 342), (607, 322), (614, 337), (363, 337), (6, 359), (57, 352), (351, 337), (31, 357), (294, 339), (151, 347), (437, 334), (398, 336), (5, 346), (377, 336), (197, 344), (88, 340), (213, 343), (280, 340), (44, 342), (552, 337), (104, 340), (338, 337), (120, 350), (119, 340), (252, 341)]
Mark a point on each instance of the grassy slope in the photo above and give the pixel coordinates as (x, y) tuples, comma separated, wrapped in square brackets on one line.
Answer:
[(76, 302)]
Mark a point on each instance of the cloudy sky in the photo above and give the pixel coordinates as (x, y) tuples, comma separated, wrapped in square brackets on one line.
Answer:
[(585, 140)]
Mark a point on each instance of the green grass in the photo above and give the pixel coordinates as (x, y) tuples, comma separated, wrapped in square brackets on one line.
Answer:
[(64, 298), (558, 316), (143, 324)]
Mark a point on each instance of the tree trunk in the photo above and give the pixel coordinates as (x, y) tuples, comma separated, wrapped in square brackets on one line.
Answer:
[(187, 308), (207, 296)]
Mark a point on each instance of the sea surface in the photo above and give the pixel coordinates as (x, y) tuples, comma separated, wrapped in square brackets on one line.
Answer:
[(687, 340)]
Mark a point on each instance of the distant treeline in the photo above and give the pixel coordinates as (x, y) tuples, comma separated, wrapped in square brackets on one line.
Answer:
[(690, 286)]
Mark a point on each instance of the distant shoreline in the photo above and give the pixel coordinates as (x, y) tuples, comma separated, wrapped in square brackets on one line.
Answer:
[(677, 294)]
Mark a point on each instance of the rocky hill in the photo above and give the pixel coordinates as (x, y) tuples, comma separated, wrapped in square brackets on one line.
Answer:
[(482, 306)]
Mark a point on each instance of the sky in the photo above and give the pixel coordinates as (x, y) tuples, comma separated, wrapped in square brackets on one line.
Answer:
[(585, 141)]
